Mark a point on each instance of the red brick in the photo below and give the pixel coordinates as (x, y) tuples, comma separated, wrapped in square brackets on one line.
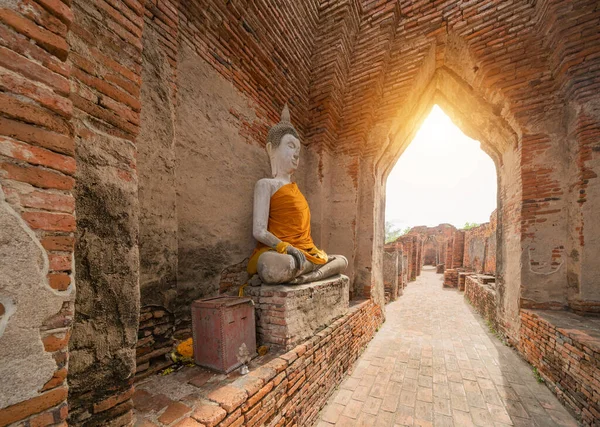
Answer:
[(36, 13), (58, 9), (228, 397), (55, 342), (50, 41), (57, 379), (60, 262), (34, 71), (37, 156), (32, 406), (37, 177), (104, 114), (38, 136), (113, 401), (189, 422), (58, 243), (31, 113), (209, 415), (110, 63), (59, 281), (11, 82), (107, 89), (174, 412), (50, 221), (48, 201), (42, 420)]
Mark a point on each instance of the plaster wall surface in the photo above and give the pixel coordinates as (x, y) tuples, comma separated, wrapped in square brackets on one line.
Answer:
[(156, 168), (27, 302), (216, 172)]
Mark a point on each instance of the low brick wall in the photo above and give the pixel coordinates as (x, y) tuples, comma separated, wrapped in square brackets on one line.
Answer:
[(566, 357), (461, 279), (451, 278), (482, 297), (292, 388), (155, 339)]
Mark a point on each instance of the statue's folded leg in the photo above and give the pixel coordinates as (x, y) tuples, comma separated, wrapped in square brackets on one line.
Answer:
[(337, 264), (275, 268)]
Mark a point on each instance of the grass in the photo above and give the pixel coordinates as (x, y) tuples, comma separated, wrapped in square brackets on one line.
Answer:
[(537, 375)]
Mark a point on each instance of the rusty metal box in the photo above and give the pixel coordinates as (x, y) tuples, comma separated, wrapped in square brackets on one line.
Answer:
[(220, 325)]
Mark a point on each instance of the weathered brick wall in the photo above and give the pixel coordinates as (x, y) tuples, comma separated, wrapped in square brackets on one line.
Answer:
[(37, 222), (294, 387), (458, 248), (264, 51), (489, 266), (157, 190), (574, 59), (480, 247), (567, 357), (429, 254), (449, 253), (289, 315), (482, 297), (409, 247), (391, 272), (450, 278), (106, 63)]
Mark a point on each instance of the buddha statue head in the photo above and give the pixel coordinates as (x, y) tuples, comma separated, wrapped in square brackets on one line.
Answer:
[(283, 146)]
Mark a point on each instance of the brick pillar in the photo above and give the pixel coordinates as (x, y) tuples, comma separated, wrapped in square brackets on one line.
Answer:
[(106, 60), (458, 248), (37, 223), (450, 245)]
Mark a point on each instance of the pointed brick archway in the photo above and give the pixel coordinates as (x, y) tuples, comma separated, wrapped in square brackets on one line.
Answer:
[(532, 218)]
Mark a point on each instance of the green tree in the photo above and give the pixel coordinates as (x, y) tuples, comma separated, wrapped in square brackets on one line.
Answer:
[(469, 225), (392, 233)]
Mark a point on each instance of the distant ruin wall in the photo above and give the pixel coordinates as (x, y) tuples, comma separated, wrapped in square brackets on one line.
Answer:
[(480, 247)]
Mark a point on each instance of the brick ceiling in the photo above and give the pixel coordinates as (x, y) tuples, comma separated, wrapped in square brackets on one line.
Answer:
[(519, 55), (351, 69)]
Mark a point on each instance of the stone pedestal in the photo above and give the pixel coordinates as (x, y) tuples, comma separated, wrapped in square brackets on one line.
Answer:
[(287, 315)]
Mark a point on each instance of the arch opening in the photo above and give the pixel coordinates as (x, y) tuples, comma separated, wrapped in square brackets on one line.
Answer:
[(441, 199)]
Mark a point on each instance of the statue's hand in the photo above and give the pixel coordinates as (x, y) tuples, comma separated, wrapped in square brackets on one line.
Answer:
[(298, 255)]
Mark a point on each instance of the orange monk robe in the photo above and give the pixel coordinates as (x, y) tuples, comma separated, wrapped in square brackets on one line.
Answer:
[(289, 221)]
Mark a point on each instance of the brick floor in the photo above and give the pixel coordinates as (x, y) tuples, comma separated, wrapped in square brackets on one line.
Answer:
[(434, 363)]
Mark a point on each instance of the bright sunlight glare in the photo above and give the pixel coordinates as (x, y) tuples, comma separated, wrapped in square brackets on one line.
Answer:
[(443, 176)]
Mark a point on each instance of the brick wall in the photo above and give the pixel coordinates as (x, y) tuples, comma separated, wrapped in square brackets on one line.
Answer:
[(294, 387), (106, 64), (458, 249), (480, 247), (450, 278), (482, 297), (392, 270), (566, 355), (37, 176)]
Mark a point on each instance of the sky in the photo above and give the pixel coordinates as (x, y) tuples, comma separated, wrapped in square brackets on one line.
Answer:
[(443, 176)]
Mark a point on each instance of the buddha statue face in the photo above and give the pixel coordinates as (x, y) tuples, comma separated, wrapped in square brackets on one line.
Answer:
[(285, 156)]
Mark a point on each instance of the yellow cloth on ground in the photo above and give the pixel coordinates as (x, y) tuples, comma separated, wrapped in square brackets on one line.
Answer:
[(186, 348), (289, 221)]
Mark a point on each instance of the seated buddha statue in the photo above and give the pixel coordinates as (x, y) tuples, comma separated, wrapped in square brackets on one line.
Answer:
[(285, 251)]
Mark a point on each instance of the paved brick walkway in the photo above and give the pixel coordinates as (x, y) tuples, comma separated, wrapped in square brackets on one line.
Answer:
[(434, 362)]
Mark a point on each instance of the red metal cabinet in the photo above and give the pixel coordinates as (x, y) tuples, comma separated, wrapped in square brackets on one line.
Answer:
[(220, 325)]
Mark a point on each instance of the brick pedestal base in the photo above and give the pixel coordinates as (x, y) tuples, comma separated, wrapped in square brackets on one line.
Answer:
[(287, 315)]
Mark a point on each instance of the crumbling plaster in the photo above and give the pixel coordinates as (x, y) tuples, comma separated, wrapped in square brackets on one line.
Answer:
[(27, 301)]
